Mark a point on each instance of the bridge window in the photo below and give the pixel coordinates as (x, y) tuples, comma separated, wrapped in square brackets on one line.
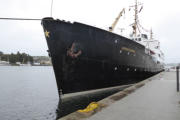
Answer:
[(144, 36)]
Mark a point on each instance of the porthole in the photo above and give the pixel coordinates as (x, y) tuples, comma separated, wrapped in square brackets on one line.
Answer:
[(115, 68)]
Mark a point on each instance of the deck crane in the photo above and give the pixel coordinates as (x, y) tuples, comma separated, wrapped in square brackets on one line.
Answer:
[(116, 20)]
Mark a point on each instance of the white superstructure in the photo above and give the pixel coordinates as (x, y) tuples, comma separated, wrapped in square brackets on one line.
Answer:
[(152, 47)]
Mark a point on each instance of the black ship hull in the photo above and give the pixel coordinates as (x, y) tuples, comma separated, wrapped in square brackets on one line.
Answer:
[(86, 57)]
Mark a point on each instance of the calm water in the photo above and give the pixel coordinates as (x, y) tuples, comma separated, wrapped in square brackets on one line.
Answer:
[(27, 93), (30, 93)]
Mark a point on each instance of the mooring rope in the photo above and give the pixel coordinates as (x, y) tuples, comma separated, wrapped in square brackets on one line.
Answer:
[(51, 8), (3, 18), (31, 19)]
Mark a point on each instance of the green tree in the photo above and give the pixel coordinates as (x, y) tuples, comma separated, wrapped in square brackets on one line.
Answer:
[(1, 53), (12, 58), (18, 57)]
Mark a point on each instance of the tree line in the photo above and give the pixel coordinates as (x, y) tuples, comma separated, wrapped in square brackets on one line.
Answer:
[(12, 58)]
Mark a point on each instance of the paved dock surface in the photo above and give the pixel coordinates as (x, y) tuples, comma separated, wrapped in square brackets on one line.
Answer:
[(157, 100)]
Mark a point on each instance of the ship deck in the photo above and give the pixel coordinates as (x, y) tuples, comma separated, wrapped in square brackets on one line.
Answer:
[(152, 99)]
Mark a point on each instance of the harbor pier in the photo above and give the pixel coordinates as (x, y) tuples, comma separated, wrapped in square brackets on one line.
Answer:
[(155, 98)]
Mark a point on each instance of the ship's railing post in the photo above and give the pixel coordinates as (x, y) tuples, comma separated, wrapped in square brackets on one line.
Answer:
[(177, 73)]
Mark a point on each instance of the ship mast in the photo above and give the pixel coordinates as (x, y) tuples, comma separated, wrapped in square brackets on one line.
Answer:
[(135, 24), (151, 34), (135, 19)]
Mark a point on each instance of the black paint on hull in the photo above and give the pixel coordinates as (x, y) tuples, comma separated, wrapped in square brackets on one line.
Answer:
[(86, 58)]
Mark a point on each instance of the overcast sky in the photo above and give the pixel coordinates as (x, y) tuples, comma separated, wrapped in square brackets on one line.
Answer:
[(163, 16)]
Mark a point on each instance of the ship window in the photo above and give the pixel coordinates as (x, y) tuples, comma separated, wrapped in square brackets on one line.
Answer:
[(144, 36), (139, 39)]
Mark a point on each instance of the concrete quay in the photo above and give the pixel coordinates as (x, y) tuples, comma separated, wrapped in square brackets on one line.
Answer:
[(155, 98)]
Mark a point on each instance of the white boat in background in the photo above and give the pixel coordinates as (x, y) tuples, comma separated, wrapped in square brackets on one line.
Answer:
[(4, 63)]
